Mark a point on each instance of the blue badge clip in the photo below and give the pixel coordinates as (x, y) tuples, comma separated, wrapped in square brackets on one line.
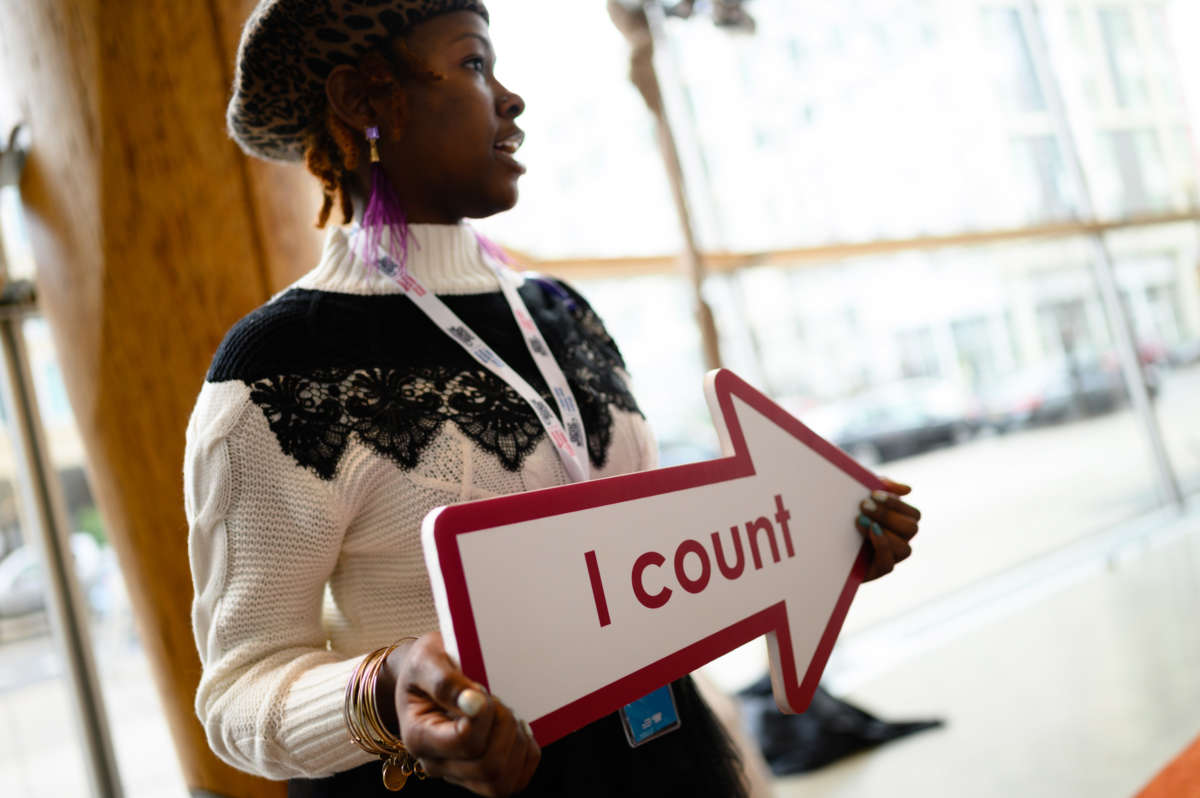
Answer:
[(650, 717)]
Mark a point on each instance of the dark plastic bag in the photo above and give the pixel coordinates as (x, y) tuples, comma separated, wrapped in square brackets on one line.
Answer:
[(830, 730)]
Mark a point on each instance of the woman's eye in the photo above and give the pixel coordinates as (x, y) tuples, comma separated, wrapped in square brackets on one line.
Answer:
[(476, 63)]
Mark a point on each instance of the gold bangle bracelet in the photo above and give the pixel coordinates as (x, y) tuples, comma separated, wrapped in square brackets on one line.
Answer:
[(367, 729)]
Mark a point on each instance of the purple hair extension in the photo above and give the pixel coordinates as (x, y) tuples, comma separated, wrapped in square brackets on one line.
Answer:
[(383, 214), (493, 249)]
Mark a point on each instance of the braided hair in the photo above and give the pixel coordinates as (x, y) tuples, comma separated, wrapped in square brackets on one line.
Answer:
[(334, 149)]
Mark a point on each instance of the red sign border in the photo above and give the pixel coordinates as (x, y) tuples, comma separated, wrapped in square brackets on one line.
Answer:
[(723, 385)]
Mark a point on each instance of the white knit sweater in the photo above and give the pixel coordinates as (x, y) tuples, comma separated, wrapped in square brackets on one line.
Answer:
[(304, 511)]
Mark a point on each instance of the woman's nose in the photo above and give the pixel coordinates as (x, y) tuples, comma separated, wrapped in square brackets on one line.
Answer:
[(510, 105)]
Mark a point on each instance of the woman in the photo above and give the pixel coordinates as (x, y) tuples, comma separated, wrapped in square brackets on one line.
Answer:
[(337, 415)]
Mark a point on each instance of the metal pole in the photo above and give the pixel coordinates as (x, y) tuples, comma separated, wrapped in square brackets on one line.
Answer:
[(43, 516), (637, 25), (697, 272), (1103, 270)]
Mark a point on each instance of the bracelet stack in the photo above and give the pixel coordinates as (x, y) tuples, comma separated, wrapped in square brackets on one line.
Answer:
[(366, 728)]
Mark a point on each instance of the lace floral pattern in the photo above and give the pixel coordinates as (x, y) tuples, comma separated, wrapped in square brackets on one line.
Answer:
[(397, 408), (306, 416), (398, 411), (494, 416), (590, 362)]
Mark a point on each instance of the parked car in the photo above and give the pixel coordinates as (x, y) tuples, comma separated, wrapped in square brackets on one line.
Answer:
[(1185, 353), (1057, 391), (23, 583), (896, 420)]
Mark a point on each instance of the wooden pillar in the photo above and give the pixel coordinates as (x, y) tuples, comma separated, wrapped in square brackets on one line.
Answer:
[(152, 234)]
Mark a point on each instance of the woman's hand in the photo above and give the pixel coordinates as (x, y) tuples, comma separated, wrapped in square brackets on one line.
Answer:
[(889, 525), (451, 724)]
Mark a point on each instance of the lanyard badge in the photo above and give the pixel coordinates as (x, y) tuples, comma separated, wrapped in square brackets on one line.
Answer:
[(650, 717), (653, 715)]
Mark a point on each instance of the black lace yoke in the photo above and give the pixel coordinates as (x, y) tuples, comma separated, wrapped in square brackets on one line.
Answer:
[(325, 367)]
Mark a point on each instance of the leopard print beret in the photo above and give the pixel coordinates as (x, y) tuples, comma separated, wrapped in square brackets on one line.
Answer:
[(289, 47)]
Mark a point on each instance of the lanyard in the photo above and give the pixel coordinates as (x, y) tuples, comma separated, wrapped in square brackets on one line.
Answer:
[(568, 442)]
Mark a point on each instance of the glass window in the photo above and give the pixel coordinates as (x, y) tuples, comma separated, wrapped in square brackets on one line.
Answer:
[(1162, 64), (18, 255), (976, 345), (43, 757), (40, 755), (1047, 191), (1156, 270), (1004, 338), (1086, 57), (1126, 67), (144, 748), (1014, 77), (1183, 170), (595, 144), (1122, 77), (918, 354), (1163, 309), (1135, 159)]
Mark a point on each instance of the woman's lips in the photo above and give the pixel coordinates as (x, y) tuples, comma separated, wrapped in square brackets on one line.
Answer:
[(506, 149)]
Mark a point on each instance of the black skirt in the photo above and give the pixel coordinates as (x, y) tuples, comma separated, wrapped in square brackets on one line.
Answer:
[(696, 761)]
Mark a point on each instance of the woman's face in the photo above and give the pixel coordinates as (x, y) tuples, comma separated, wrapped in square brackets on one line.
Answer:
[(453, 157)]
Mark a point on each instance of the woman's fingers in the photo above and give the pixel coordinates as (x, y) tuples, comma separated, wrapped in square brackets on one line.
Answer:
[(514, 762), (443, 714), (901, 550), (533, 755), (505, 766), (893, 486), (889, 548), (884, 561), (888, 523), (458, 731), (893, 502), (433, 673), (443, 737), (524, 762), (891, 520)]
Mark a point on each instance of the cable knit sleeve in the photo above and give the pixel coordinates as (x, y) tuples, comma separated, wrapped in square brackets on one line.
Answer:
[(264, 536)]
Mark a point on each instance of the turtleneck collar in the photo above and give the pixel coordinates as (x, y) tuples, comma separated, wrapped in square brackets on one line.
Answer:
[(445, 259)]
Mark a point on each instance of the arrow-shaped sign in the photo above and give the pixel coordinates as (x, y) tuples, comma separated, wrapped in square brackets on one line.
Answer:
[(570, 602)]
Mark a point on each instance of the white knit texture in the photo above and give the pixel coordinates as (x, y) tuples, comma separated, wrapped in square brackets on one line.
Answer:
[(444, 258), (296, 578)]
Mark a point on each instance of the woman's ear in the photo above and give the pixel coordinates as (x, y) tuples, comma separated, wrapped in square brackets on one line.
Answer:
[(348, 96), (359, 105)]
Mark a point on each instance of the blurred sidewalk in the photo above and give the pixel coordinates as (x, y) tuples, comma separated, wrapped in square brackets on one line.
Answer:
[(1074, 675)]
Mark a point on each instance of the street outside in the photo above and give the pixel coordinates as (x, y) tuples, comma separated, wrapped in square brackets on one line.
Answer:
[(990, 503), (995, 502)]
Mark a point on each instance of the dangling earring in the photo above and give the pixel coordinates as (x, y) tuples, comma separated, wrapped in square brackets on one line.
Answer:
[(383, 214)]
